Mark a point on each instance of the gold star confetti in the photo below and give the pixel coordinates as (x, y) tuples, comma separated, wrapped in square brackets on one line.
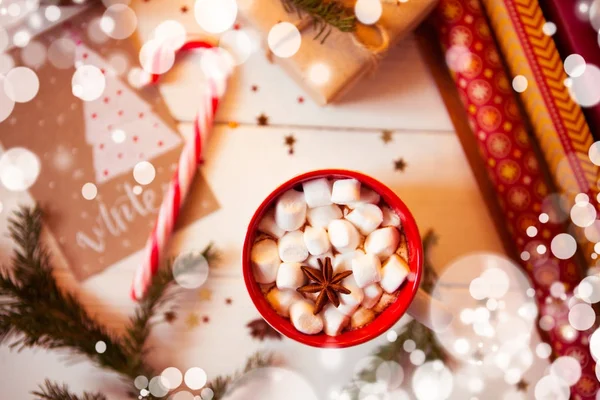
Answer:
[(399, 164), (386, 136), (192, 321), (262, 120), (205, 294), (522, 385)]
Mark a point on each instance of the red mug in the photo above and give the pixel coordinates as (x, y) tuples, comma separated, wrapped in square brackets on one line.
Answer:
[(410, 298)]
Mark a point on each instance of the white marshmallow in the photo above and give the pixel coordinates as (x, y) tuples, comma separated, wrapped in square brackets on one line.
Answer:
[(267, 225), (362, 317), (334, 321), (290, 210), (320, 217), (390, 218), (366, 218), (382, 242), (313, 261), (281, 300), (372, 294), (303, 318), (345, 191), (292, 247), (367, 196), (343, 235), (290, 276), (366, 269), (350, 302), (384, 302), (343, 262), (265, 261), (393, 273), (317, 192), (316, 240)]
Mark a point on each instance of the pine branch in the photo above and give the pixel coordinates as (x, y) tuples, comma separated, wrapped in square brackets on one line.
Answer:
[(34, 311), (221, 385), (140, 324), (325, 15), (430, 277), (423, 337), (53, 391)]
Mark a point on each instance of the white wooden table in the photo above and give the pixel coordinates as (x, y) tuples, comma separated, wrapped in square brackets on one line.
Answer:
[(437, 185)]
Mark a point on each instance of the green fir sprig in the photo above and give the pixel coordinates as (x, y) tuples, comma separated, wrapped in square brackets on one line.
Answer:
[(423, 337), (36, 312), (224, 384), (325, 15), (52, 391)]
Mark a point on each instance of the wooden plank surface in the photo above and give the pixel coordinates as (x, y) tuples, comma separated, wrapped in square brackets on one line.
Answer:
[(249, 161)]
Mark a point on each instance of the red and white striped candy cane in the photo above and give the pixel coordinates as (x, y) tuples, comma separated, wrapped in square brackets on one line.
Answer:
[(184, 174)]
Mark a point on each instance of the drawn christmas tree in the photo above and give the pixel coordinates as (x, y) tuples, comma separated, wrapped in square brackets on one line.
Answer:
[(119, 125)]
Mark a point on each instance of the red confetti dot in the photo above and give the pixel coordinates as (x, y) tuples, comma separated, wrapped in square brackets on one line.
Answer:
[(228, 301), (119, 92), (135, 139), (300, 99), (105, 172), (101, 146), (141, 115), (120, 112), (160, 143), (120, 155), (106, 99), (94, 115), (85, 55), (205, 319), (237, 27)]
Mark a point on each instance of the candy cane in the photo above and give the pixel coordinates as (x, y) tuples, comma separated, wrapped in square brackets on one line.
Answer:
[(184, 174)]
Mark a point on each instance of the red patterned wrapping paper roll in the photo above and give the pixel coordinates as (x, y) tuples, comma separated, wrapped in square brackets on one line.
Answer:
[(512, 166), (575, 35), (559, 124)]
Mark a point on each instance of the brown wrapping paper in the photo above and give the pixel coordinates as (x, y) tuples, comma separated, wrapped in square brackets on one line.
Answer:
[(73, 141), (344, 56)]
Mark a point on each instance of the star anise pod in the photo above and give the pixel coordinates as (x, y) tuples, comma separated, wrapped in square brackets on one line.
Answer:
[(260, 330), (324, 282)]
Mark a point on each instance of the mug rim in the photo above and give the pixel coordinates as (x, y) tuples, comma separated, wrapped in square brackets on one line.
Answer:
[(384, 320)]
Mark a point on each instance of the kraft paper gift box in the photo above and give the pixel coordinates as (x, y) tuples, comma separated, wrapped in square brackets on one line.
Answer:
[(327, 69)]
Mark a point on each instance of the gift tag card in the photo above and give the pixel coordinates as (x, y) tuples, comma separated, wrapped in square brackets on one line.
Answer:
[(107, 149)]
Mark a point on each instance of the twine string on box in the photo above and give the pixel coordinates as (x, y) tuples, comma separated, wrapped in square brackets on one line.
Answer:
[(358, 30)]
